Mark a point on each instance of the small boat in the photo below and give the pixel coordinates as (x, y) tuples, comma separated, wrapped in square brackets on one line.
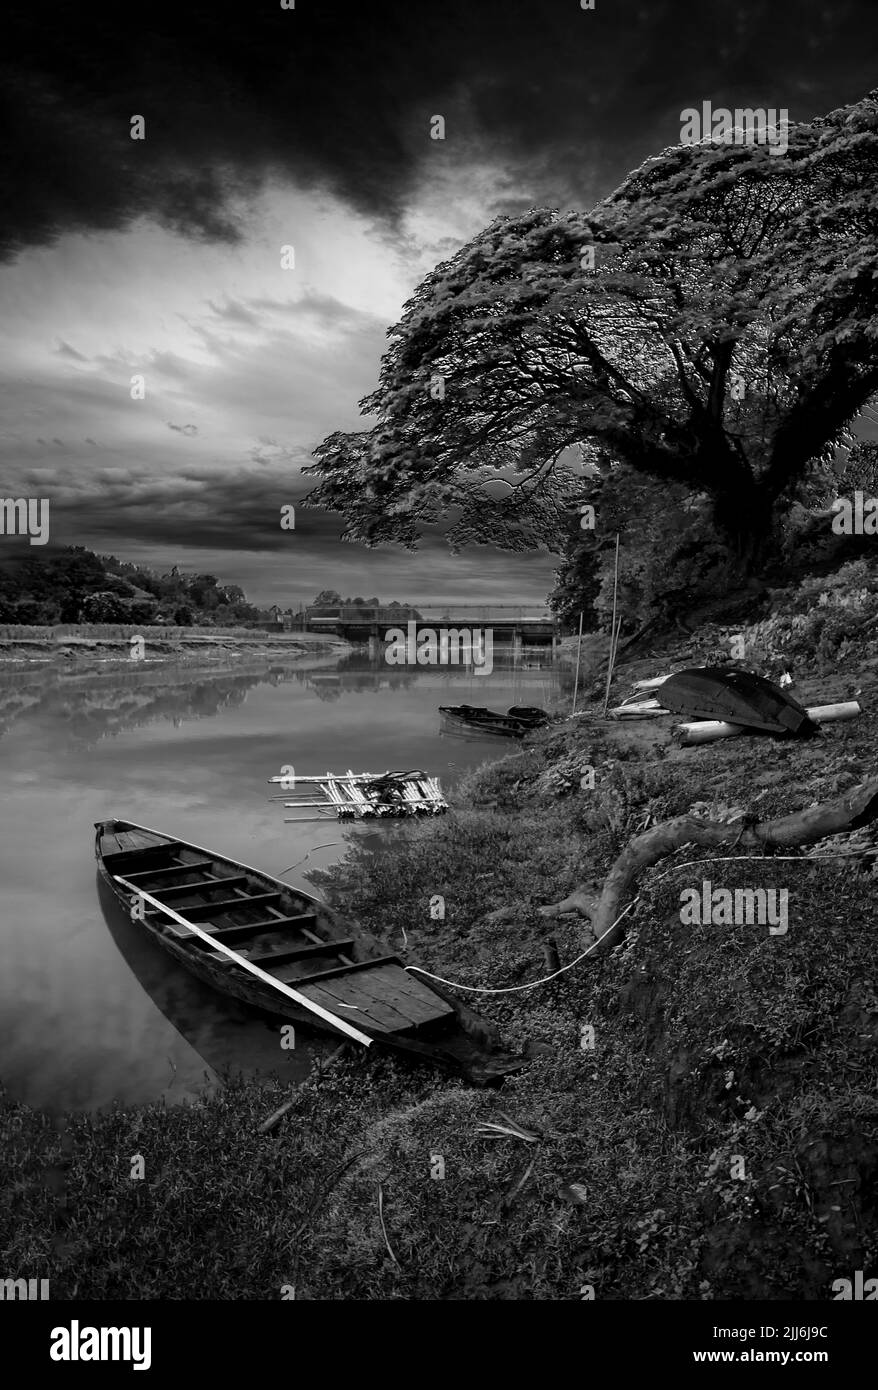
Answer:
[(282, 951), (487, 721), (531, 715), (736, 697)]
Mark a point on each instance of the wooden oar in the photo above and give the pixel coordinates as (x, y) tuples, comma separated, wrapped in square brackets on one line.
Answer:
[(254, 969)]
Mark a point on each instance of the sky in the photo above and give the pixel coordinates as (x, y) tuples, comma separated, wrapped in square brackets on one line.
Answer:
[(309, 127)]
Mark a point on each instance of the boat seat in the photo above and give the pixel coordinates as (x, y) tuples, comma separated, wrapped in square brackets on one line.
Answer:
[(169, 869), (301, 952), (204, 911), (236, 881), (332, 970), (241, 930)]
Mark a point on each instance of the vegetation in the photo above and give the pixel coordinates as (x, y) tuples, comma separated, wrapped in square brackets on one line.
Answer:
[(72, 585), (724, 341), (711, 1045)]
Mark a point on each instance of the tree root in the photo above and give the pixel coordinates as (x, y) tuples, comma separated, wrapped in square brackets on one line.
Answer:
[(856, 808)]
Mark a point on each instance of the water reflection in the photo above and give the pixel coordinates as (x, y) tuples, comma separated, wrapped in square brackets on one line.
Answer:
[(225, 1033), (90, 1009)]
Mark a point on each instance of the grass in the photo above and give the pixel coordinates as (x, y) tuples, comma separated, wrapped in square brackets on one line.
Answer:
[(718, 1141)]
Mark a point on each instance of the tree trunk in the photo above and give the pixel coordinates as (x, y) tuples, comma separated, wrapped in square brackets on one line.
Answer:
[(856, 808)]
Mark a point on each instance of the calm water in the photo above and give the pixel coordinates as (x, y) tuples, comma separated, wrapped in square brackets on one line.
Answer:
[(90, 1010)]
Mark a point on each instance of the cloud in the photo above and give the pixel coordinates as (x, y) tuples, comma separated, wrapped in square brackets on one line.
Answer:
[(188, 430), (338, 97), (65, 350)]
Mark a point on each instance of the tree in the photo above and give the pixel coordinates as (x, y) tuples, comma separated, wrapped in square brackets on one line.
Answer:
[(103, 607), (327, 598), (725, 338)]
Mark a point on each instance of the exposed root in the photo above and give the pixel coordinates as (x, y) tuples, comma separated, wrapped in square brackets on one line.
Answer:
[(856, 808)]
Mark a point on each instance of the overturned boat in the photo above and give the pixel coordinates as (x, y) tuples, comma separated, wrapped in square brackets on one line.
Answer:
[(735, 697)]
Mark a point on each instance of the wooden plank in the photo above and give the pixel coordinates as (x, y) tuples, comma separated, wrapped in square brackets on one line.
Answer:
[(418, 989), (241, 930), (204, 911), (144, 839), (386, 983), (373, 1016), (170, 869), (421, 1007), (234, 882), (349, 969), (368, 990), (300, 952)]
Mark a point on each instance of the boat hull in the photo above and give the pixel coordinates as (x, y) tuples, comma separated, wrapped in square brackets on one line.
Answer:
[(735, 697), (294, 938)]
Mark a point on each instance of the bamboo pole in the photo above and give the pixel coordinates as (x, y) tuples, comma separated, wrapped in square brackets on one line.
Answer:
[(578, 656), (248, 965), (612, 627), (708, 730), (321, 777)]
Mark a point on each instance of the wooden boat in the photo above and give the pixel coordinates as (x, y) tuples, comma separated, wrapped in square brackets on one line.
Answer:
[(736, 697), (280, 950), (488, 721), (531, 715)]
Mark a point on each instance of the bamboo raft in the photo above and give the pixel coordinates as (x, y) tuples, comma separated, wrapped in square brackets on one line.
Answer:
[(362, 795)]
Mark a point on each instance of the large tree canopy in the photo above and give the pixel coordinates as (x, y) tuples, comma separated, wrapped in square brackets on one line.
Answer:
[(725, 339)]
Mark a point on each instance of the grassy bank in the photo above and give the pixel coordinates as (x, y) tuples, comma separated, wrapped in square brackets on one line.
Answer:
[(718, 1141)]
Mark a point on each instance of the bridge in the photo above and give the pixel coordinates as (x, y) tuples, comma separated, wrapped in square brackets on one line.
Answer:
[(513, 623)]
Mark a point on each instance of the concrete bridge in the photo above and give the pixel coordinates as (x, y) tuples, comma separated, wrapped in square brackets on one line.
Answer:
[(514, 624)]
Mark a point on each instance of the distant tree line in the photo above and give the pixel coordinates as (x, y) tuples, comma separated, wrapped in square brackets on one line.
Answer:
[(73, 585), (330, 598)]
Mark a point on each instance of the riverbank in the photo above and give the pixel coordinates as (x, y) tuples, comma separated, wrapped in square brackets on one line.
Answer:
[(89, 649), (700, 1121)]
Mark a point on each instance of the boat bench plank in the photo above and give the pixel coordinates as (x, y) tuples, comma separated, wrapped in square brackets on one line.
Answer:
[(346, 969), (233, 881), (241, 930), (301, 951), (204, 911), (169, 869), (159, 850)]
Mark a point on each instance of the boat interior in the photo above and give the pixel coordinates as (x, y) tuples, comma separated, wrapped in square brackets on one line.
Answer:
[(269, 924)]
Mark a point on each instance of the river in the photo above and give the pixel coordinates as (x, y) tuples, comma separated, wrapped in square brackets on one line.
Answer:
[(91, 1011)]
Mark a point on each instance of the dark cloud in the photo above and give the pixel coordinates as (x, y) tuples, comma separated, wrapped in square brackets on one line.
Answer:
[(188, 430), (339, 96), (229, 523)]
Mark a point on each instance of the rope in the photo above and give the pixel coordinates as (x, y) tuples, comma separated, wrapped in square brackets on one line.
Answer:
[(715, 859)]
